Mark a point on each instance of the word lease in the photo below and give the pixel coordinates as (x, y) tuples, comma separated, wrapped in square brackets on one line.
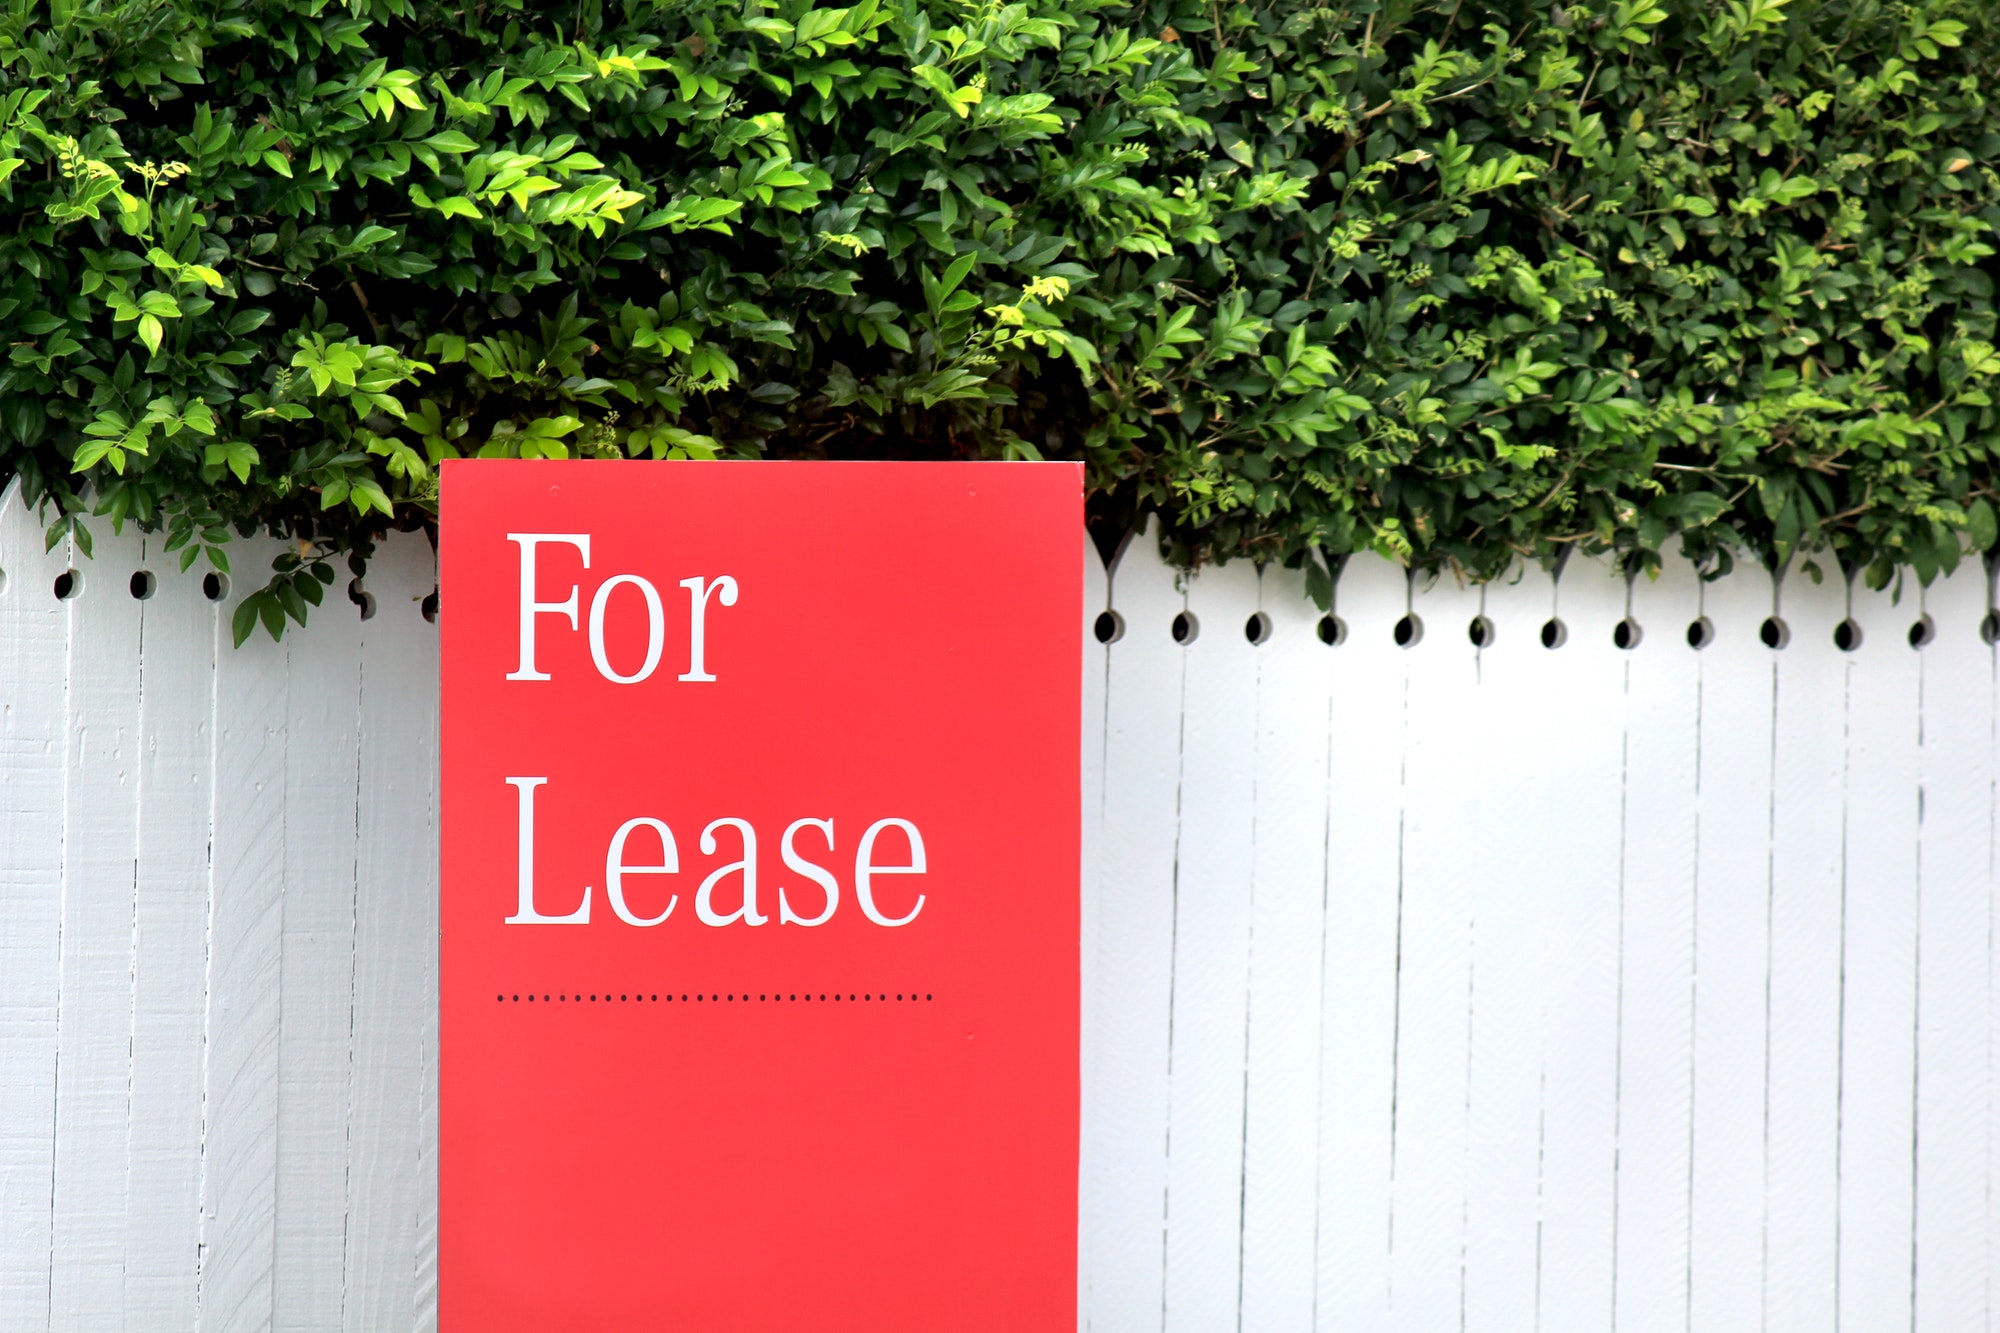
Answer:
[(617, 869)]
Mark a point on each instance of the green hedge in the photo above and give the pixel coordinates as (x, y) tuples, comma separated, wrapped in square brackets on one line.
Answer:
[(1459, 280)]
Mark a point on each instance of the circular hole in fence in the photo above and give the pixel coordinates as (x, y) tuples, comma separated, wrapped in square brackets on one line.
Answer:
[(1332, 631), (1626, 634), (1989, 626), (1409, 631), (430, 606), (361, 598), (214, 586), (1847, 635), (1257, 629), (1774, 633), (1554, 633), (144, 585), (1922, 632), (1701, 633), (1185, 627), (1480, 631), (1109, 627), (68, 584)]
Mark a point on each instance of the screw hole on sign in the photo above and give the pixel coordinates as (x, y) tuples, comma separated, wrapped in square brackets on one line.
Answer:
[(1110, 627), (1774, 633), (1257, 629), (144, 584), (1185, 627), (1701, 633), (1922, 632), (1480, 631), (1409, 631), (1847, 635), (1989, 626), (430, 607), (214, 586), (1626, 634), (1554, 633), (68, 584), (361, 598), (1332, 631)]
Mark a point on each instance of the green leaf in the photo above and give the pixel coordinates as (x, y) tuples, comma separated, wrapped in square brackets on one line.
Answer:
[(1981, 525), (245, 620), (272, 612)]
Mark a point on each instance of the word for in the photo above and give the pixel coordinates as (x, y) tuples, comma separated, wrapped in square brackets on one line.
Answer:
[(700, 591), (617, 869)]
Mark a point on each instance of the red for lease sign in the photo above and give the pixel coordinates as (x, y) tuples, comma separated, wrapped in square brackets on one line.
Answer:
[(760, 896)]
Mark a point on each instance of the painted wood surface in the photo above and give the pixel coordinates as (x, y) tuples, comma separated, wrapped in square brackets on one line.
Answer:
[(1437, 979)]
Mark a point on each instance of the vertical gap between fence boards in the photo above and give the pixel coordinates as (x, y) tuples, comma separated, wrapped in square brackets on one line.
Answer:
[(1917, 1005), (1396, 1019), (1173, 979), (1319, 1005), (62, 932), (1770, 919), (1249, 962), (1694, 949), (354, 1071), (1840, 1006), (1618, 1004), (132, 1034), (216, 631)]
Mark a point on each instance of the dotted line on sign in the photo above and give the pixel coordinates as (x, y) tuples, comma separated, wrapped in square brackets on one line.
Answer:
[(702, 999)]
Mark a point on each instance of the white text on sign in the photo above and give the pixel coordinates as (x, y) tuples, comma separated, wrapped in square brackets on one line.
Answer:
[(617, 868), (700, 593)]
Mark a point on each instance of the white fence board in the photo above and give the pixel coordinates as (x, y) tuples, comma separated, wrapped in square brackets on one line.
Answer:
[(1434, 971), (1357, 1071), (178, 640), (1449, 985), (1096, 660), (316, 966), (419, 863), (1125, 1124), (94, 1005), (1509, 958), (1802, 1088), (246, 938), (1214, 854), (1656, 951), (395, 946), (1878, 969), (1288, 904), (34, 690), (1585, 759), (1952, 1244), (1732, 956)]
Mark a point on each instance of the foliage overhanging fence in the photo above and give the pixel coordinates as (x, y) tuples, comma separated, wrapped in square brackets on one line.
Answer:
[(1454, 280)]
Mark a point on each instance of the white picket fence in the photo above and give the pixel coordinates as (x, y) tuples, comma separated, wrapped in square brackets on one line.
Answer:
[(1426, 987)]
